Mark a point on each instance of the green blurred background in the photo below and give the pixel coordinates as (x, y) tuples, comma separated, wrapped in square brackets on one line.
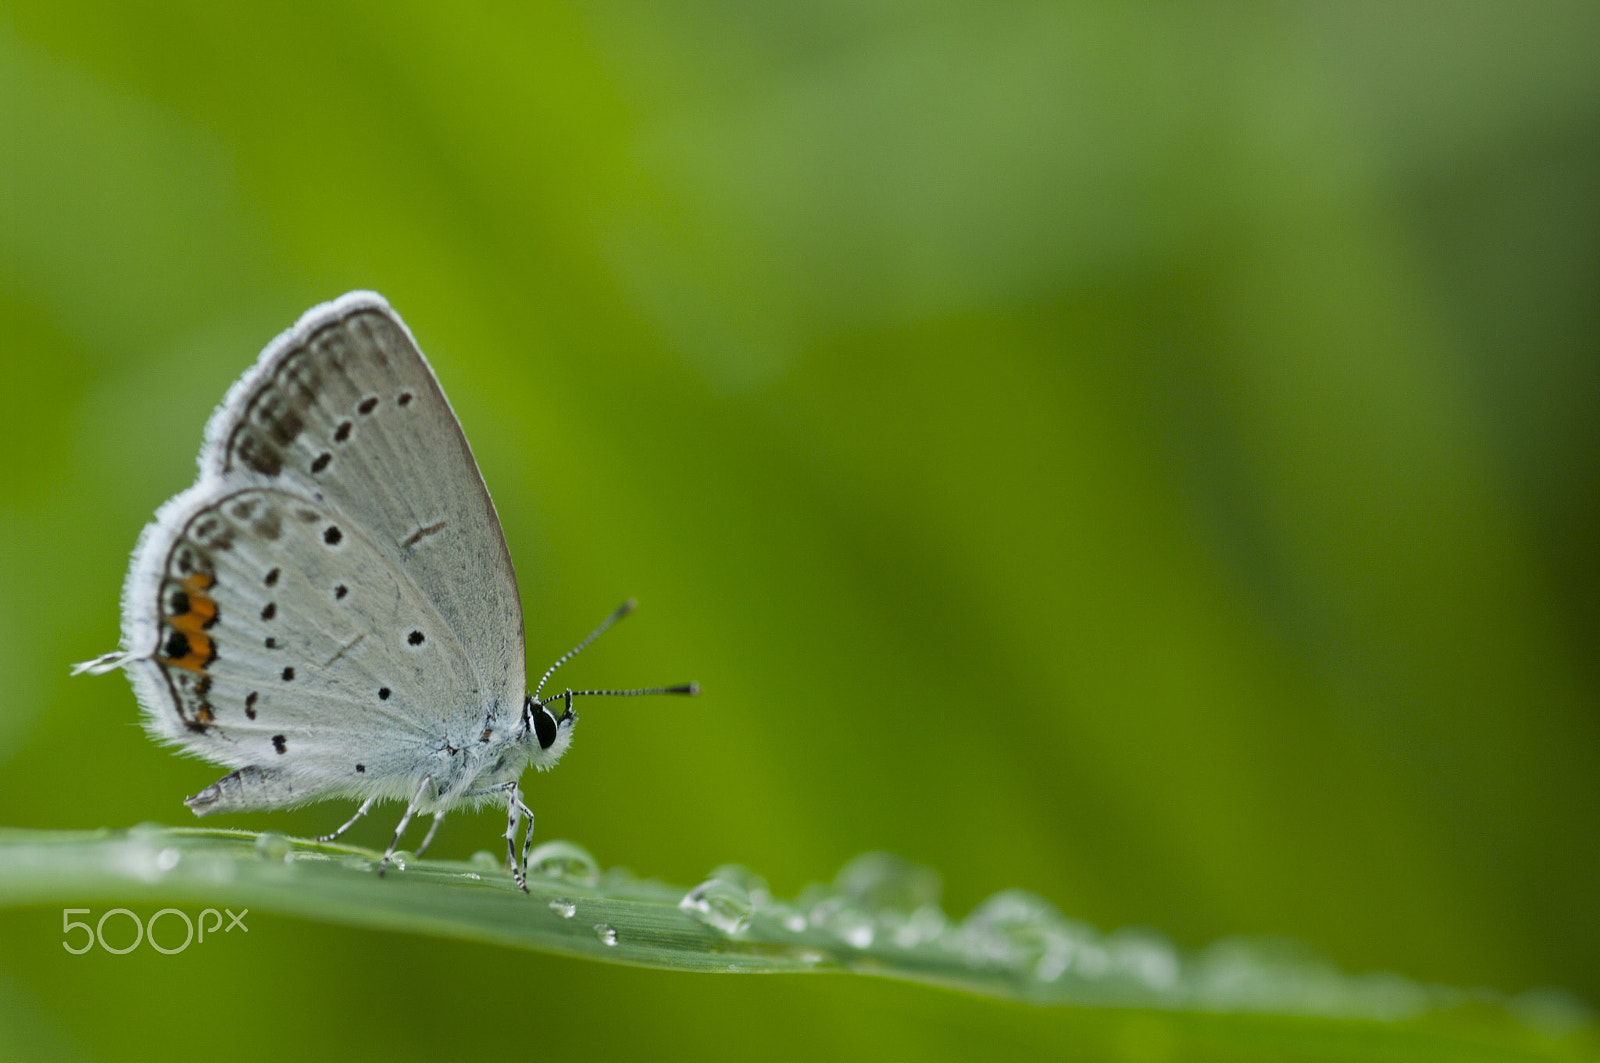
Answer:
[(1145, 455)]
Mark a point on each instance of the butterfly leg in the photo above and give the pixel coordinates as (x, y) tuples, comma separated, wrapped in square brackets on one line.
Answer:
[(515, 810), (514, 807), (433, 828), (405, 821), (499, 788), (351, 822), (527, 839)]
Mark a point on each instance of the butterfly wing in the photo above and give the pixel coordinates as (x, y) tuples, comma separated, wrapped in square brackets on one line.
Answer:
[(332, 604)]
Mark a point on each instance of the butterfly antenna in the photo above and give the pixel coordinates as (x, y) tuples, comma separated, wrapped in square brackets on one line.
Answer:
[(691, 689), (616, 614)]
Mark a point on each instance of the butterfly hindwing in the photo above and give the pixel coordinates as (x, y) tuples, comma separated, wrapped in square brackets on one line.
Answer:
[(285, 641)]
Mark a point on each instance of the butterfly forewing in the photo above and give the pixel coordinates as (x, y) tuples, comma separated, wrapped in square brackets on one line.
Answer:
[(339, 552), (345, 407)]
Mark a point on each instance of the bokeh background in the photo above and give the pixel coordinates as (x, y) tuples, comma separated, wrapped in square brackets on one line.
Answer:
[(1145, 455)]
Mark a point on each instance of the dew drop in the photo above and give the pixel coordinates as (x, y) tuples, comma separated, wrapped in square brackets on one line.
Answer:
[(720, 903), (617, 878), (564, 908), (564, 860), (1146, 958), (1024, 932), (853, 927), (606, 933), (745, 879), (273, 847), (145, 858), (785, 915), (1275, 976), (920, 927), (485, 860), (878, 881)]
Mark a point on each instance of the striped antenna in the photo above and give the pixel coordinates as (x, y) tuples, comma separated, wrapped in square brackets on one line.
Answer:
[(691, 689), (616, 614)]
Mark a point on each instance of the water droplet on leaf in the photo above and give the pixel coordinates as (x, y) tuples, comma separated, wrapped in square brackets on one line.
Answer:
[(273, 847), (564, 860), (720, 904), (878, 881), (1024, 932)]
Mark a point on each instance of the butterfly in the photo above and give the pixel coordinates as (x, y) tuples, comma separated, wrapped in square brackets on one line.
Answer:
[(330, 610)]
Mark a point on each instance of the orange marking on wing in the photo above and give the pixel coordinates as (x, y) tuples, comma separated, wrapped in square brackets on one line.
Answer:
[(200, 603), (202, 611), (192, 623), (199, 654)]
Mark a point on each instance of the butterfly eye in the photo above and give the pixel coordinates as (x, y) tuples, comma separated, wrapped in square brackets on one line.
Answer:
[(544, 725)]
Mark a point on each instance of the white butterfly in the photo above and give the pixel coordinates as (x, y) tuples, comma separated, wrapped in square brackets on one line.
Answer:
[(331, 610)]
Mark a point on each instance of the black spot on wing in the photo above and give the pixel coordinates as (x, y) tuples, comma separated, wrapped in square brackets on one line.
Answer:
[(254, 452)]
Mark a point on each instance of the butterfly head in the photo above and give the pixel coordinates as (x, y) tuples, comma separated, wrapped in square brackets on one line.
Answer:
[(546, 732)]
